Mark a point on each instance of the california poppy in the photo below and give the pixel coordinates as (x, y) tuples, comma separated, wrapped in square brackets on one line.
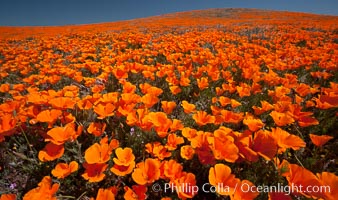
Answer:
[(282, 119), (94, 172), (188, 107), (299, 176), (220, 176), (138, 192), (59, 135), (202, 83), (265, 144), (175, 89), (330, 181), (157, 150), (266, 106), (124, 163), (168, 106), (8, 197), (96, 128), (187, 152), (223, 147), (172, 141), (99, 153), (104, 194), (62, 170), (62, 102), (51, 152), (286, 140), (246, 191), (149, 100), (185, 185), (45, 190), (104, 110), (253, 124), (147, 171), (203, 118), (320, 140), (172, 169)]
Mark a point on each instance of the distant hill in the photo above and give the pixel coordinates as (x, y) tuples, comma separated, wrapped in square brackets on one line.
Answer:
[(225, 17)]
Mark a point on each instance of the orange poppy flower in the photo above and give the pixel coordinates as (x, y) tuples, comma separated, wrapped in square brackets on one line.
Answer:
[(45, 190), (124, 156), (62, 170), (184, 81), (265, 144), (185, 186), (104, 110), (87, 102), (242, 194), (176, 125), (298, 176), (124, 163), (253, 124), (10, 106), (172, 141), (305, 121), (231, 117), (331, 180), (51, 152), (157, 150), (59, 135), (4, 88), (149, 100), (168, 106), (189, 133), (172, 169), (128, 87), (94, 172), (266, 106), (147, 171), (7, 125), (120, 72), (138, 192), (160, 121), (96, 128), (223, 147), (220, 176), (187, 152), (104, 194), (175, 89), (282, 119), (327, 101), (100, 153), (202, 118), (243, 90), (320, 140), (8, 197), (62, 102), (202, 83), (286, 140), (224, 101), (188, 107), (122, 170)]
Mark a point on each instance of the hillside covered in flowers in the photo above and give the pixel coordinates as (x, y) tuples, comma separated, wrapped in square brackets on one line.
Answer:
[(209, 104)]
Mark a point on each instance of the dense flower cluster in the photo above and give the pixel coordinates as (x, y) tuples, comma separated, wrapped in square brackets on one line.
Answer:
[(108, 112)]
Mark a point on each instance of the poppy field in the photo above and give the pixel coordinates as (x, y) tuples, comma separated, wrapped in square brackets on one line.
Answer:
[(211, 104)]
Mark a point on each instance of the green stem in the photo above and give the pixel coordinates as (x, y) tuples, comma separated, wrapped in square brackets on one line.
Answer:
[(67, 197), (80, 197), (24, 134), (299, 161)]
